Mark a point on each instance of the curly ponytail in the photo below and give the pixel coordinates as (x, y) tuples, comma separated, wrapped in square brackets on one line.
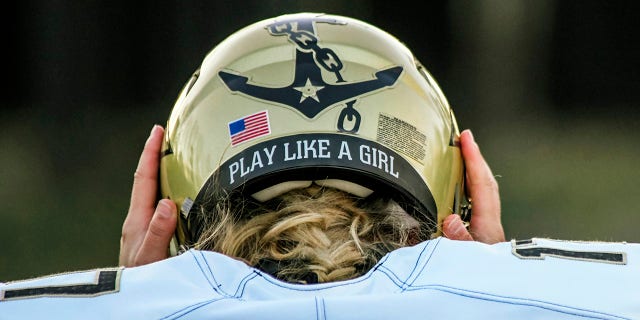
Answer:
[(312, 235)]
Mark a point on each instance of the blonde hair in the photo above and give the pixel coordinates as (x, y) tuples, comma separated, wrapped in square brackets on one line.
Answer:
[(310, 235)]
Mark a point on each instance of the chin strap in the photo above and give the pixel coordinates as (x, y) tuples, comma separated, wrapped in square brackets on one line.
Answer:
[(465, 213)]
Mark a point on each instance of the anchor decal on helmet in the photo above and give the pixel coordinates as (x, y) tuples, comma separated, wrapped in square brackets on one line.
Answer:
[(309, 93)]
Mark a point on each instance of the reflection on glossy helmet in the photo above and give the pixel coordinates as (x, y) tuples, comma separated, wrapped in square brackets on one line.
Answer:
[(312, 98)]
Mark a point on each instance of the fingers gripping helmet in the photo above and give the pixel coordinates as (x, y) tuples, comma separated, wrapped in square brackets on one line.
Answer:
[(311, 98)]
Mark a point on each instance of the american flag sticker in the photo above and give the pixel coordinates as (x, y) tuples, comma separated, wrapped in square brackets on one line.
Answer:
[(250, 127)]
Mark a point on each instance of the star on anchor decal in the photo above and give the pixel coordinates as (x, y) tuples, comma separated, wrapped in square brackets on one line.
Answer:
[(309, 91)]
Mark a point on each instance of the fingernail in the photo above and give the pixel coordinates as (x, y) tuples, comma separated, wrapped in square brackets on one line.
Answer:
[(163, 210), (471, 135), (457, 223), (151, 134), (154, 129)]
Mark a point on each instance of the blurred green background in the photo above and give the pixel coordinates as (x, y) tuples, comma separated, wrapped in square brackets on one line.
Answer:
[(550, 89)]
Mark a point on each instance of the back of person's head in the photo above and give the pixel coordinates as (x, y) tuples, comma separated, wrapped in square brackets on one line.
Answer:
[(310, 145)]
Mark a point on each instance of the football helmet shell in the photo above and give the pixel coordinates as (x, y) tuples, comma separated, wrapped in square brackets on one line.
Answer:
[(312, 98)]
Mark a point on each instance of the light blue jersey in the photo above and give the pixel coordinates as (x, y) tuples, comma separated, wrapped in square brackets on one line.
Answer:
[(437, 279)]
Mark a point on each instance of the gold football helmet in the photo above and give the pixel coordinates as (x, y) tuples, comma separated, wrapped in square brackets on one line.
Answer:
[(312, 98)]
